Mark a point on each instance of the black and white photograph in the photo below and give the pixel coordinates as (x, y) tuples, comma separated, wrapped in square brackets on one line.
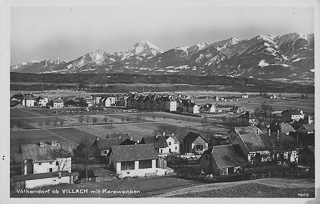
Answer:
[(159, 99)]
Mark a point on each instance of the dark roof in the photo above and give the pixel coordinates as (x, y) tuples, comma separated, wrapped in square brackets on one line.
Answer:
[(292, 112), (42, 176), (286, 128), (128, 142), (104, 144), (48, 152), (307, 127), (133, 152), (117, 135), (227, 156), (191, 137), (157, 141), (87, 142), (253, 138)]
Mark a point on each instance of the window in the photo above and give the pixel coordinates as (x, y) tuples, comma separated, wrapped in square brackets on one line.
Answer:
[(169, 150), (145, 164), (50, 162), (129, 165), (176, 148), (57, 163), (50, 170), (40, 163), (169, 143), (199, 147)]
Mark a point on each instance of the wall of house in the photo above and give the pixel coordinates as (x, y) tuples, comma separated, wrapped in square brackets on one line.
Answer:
[(47, 181), (64, 164), (136, 172), (27, 167), (200, 141), (173, 147)]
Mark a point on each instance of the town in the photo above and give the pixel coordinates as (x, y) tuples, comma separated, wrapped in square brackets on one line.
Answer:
[(83, 138)]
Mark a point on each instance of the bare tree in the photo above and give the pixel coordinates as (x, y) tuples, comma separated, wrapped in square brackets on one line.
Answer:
[(122, 119), (47, 122), (84, 153), (87, 119), (19, 124), (55, 122), (138, 118), (164, 118), (81, 119), (105, 119), (94, 120), (40, 123), (61, 122), (153, 117), (128, 119), (111, 121)]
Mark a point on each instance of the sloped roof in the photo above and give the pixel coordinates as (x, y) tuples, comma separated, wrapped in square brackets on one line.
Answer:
[(286, 128), (157, 141), (253, 138), (105, 144), (192, 136), (292, 112), (308, 127), (117, 135), (227, 156), (48, 152), (133, 152)]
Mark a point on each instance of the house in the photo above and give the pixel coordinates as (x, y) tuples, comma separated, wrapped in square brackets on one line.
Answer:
[(286, 128), (173, 144), (235, 109), (57, 103), (43, 179), (207, 108), (222, 160), (306, 129), (285, 149), (247, 119), (171, 105), (109, 101), (292, 115), (305, 135), (159, 142), (194, 143), (46, 157), (42, 102), (244, 96), (28, 101), (252, 142), (100, 175), (307, 156), (133, 160), (102, 146)]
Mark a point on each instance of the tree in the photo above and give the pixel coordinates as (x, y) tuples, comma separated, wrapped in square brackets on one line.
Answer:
[(204, 121), (105, 119), (81, 119), (84, 154), (40, 123), (153, 117), (47, 122), (122, 119), (61, 122), (19, 124), (87, 119), (164, 118), (128, 119), (111, 121), (55, 122), (94, 120), (138, 118), (12, 124)]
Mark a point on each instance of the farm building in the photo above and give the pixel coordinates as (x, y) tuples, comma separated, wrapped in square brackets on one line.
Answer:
[(252, 142), (46, 157), (57, 103), (173, 144), (286, 128), (102, 146), (159, 142), (194, 143), (43, 179), (248, 119), (28, 101), (207, 108), (100, 174), (133, 160), (42, 102), (222, 160), (292, 115)]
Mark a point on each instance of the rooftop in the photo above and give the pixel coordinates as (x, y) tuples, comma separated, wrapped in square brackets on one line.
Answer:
[(157, 141), (227, 156), (133, 152)]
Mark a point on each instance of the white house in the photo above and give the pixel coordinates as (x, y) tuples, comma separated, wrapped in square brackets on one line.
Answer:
[(28, 101), (109, 101), (244, 96), (173, 144), (57, 103), (134, 160), (208, 108), (171, 105), (43, 101), (46, 157)]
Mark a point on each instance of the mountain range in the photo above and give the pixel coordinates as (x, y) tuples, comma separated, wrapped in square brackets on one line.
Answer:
[(286, 58)]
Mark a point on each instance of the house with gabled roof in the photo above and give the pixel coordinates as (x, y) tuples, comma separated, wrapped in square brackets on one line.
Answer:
[(133, 160), (208, 108), (159, 142), (194, 143), (173, 144), (292, 115), (254, 144), (28, 101), (46, 157), (102, 146), (306, 129), (222, 160), (286, 128)]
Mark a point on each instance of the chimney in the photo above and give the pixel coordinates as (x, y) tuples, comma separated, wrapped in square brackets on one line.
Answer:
[(98, 138), (119, 137), (131, 138), (164, 133), (277, 134), (172, 134), (157, 136), (310, 119), (138, 141)]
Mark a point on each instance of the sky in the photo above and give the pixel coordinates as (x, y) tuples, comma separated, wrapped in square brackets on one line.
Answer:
[(39, 33)]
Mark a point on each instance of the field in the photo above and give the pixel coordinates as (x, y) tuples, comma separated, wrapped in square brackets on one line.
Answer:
[(175, 187)]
